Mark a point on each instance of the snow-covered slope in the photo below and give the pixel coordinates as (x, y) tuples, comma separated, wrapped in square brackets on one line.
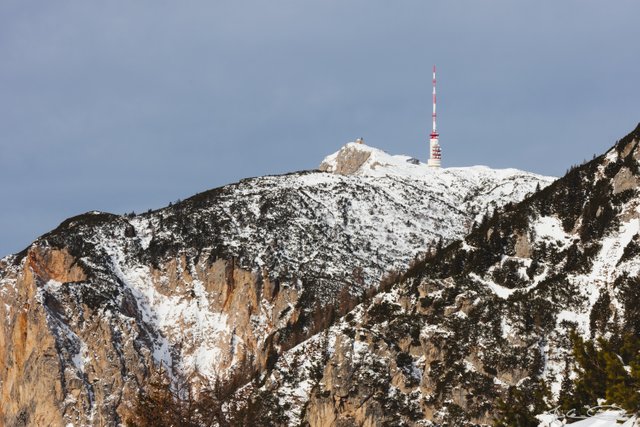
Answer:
[(224, 281), (486, 318)]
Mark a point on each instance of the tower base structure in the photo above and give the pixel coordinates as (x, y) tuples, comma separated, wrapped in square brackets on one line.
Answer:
[(435, 153)]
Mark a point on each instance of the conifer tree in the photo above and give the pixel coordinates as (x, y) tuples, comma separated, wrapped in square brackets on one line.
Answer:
[(607, 369), (522, 403)]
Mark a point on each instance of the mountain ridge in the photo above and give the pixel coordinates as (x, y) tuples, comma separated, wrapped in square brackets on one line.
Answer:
[(220, 283), (486, 318)]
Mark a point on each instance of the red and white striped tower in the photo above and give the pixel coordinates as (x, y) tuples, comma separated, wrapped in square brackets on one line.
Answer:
[(434, 147)]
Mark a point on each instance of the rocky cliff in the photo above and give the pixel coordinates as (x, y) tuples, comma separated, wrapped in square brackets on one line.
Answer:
[(222, 283)]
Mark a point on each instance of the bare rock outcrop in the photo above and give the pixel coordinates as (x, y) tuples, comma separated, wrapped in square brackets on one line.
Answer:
[(624, 180), (349, 160)]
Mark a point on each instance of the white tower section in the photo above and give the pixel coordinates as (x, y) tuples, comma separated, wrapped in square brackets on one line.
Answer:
[(434, 147)]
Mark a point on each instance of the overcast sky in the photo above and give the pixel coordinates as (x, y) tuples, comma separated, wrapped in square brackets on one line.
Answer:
[(123, 106)]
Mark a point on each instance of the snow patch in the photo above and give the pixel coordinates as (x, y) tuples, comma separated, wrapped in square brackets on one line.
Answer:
[(549, 227), (144, 230), (500, 291)]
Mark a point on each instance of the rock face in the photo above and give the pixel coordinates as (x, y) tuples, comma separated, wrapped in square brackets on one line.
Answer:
[(485, 317), (348, 161), (219, 284), (27, 356)]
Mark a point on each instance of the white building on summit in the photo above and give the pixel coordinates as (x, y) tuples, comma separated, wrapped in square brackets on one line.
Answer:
[(435, 154)]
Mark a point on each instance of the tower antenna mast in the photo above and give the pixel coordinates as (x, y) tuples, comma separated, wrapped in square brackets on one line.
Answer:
[(435, 154), (434, 132)]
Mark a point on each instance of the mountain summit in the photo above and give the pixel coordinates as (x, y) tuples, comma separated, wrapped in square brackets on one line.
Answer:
[(220, 284), (362, 160), (358, 159)]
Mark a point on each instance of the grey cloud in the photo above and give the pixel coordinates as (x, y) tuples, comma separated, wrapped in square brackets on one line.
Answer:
[(124, 106)]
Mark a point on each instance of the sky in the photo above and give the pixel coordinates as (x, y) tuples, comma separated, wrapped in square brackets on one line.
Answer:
[(125, 106)]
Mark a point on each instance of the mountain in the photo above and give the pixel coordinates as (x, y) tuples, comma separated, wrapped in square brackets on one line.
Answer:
[(487, 325), (220, 284)]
